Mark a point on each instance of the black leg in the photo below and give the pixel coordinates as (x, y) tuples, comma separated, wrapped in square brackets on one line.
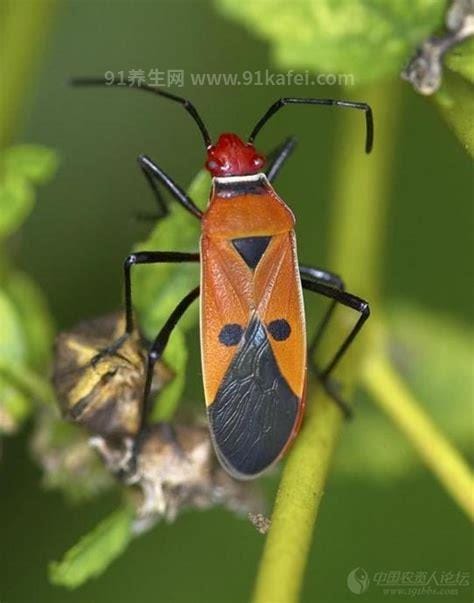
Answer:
[(278, 157), (141, 257), (154, 172), (148, 257), (323, 276), (160, 201), (346, 299), (157, 348), (319, 275)]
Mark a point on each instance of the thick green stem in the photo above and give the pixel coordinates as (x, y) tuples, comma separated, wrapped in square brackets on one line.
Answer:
[(358, 220), (299, 495), (361, 195), (394, 398)]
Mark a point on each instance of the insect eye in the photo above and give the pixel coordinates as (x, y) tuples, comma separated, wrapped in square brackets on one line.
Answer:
[(231, 334)]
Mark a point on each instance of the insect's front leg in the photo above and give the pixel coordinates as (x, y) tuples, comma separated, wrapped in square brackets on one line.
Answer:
[(162, 207), (277, 157), (155, 175), (318, 275), (140, 257), (158, 347)]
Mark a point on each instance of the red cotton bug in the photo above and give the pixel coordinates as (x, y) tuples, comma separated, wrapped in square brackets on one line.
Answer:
[(253, 333)]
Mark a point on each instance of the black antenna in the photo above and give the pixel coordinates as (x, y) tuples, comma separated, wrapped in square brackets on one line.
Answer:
[(369, 121), (190, 108)]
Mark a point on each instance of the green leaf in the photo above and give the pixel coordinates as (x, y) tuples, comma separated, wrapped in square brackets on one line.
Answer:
[(34, 163), (21, 167), (362, 38), (12, 343), (455, 100), (159, 288), (25, 344), (16, 202), (14, 406), (435, 356), (26, 336), (200, 187), (461, 60), (34, 316), (95, 551)]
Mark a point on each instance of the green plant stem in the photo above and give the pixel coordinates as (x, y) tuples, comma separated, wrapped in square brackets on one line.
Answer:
[(361, 194), (358, 210), (297, 503), (23, 30), (391, 394)]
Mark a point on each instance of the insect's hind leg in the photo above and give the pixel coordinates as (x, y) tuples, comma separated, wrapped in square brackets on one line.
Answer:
[(277, 157), (331, 387), (319, 275), (331, 286)]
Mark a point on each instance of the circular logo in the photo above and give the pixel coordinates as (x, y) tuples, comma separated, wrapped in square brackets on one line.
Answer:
[(358, 581)]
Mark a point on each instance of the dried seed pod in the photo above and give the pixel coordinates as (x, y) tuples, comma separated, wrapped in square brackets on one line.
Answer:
[(175, 468), (102, 393)]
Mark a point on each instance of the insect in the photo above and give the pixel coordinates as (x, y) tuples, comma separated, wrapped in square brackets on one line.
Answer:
[(253, 334)]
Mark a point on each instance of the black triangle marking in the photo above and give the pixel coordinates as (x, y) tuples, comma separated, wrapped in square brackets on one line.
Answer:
[(251, 249)]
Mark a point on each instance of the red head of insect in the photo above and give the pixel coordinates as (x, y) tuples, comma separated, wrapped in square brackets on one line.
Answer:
[(231, 156)]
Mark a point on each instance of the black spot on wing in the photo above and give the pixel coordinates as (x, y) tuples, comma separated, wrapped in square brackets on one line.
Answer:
[(279, 329), (251, 249), (231, 334), (254, 412)]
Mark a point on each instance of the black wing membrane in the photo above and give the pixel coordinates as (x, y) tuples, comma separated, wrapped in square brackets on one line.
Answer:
[(255, 410)]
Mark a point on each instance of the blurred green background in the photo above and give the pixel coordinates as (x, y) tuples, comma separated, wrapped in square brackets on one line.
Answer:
[(73, 245)]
